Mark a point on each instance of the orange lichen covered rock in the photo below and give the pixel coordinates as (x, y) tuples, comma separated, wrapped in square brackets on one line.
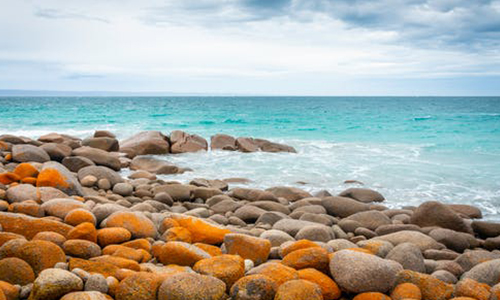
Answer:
[(124, 273), (50, 236), (201, 231), (248, 247), (471, 288), (79, 216), (11, 292), (168, 223), (300, 244), (16, 271), (228, 268), (138, 244), (329, 288), (463, 298), (406, 291), (183, 286), (179, 234), (431, 287), (86, 296), (60, 207), (125, 252), (30, 208), (81, 249), (210, 249), (84, 231), (8, 178), (316, 258), (362, 250), (93, 267), (278, 272), (29, 226), (41, 255), (135, 222), (8, 157), (55, 175), (180, 253), (371, 296), (139, 286), (120, 262), (10, 248), (29, 180), (254, 287), (24, 170), (7, 236), (113, 235), (298, 289)]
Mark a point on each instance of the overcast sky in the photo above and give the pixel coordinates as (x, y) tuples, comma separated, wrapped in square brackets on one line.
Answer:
[(288, 47)]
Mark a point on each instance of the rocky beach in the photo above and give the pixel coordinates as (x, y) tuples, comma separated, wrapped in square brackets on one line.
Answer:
[(73, 226)]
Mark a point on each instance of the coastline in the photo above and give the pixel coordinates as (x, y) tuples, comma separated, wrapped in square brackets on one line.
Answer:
[(69, 193)]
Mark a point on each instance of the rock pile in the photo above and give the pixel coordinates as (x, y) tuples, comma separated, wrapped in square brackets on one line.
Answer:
[(72, 228)]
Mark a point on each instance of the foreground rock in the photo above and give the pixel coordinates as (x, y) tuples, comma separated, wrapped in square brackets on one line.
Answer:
[(183, 142), (144, 143)]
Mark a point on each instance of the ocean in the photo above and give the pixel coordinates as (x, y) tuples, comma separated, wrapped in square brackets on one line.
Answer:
[(411, 149)]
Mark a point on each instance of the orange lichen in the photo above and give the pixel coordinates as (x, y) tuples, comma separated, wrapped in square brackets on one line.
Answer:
[(146, 256), (84, 231), (300, 244), (7, 236), (210, 249), (30, 208), (299, 290), (140, 285), (52, 177), (121, 274), (373, 246), (179, 234), (29, 226), (81, 249), (11, 292), (93, 267), (24, 170), (120, 262), (29, 180), (228, 268), (471, 288), (180, 253), (371, 296), (431, 287), (278, 272), (50, 236), (406, 291), (113, 235), (122, 251), (362, 250), (79, 216), (316, 258), (8, 157), (41, 255), (254, 287), (16, 271), (8, 178), (248, 247), (168, 223), (329, 288), (202, 231), (138, 244), (138, 224)]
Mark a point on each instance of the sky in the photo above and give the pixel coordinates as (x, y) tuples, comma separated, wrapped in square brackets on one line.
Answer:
[(252, 47)]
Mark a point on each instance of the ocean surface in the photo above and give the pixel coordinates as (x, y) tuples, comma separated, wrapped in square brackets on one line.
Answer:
[(410, 149)]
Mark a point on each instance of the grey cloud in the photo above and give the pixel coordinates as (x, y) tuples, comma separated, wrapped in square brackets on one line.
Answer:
[(50, 13)]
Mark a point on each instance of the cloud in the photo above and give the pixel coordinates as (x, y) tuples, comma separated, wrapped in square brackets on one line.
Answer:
[(50, 13)]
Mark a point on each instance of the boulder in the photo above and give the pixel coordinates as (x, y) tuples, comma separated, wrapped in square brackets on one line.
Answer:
[(181, 254), (486, 229), (252, 194), (249, 214), (29, 226), (343, 207), (27, 153), (469, 211), (422, 241), (178, 192), (289, 193), (183, 142), (89, 295), (65, 139), (276, 237), (329, 288), (223, 142), (254, 287), (434, 213), (107, 144), (486, 272), (40, 255), (316, 232), (456, 241), (75, 163), (268, 146), (299, 289), (278, 272), (362, 195), (431, 287), (61, 207), (16, 271), (314, 257), (56, 151), (246, 144), (248, 247), (100, 172), (357, 272), (99, 157), (228, 268), (201, 230), (52, 284), (135, 222), (54, 174), (291, 226), (471, 258), (370, 219), (154, 165), (139, 286), (180, 287), (409, 256), (144, 143)]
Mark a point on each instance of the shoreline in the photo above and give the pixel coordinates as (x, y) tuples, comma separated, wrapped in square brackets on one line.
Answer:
[(65, 210)]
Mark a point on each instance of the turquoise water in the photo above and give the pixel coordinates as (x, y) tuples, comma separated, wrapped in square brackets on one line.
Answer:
[(410, 149)]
